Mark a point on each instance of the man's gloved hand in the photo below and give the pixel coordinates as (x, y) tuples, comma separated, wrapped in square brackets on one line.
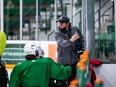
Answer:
[(74, 37)]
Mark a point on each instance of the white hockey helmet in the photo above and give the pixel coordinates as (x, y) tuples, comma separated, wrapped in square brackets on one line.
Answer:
[(41, 52), (30, 48)]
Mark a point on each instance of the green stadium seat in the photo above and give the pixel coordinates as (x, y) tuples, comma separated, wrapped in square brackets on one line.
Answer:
[(15, 2), (13, 11), (109, 47), (105, 42), (49, 1), (5, 1), (111, 29), (24, 2), (33, 1), (12, 22)]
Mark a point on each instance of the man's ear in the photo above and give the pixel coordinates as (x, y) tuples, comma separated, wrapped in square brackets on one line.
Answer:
[(67, 24)]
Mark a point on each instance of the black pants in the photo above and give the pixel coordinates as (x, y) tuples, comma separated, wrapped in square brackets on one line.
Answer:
[(73, 74), (66, 82), (57, 83)]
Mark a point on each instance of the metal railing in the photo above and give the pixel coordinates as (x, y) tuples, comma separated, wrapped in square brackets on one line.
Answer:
[(99, 12)]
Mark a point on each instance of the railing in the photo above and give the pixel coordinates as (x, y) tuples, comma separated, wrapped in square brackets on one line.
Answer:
[(103, 13), (99, 12), (50, 35), (102, 6)]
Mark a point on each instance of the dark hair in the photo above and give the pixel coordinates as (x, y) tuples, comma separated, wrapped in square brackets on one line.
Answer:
[(30, 57)]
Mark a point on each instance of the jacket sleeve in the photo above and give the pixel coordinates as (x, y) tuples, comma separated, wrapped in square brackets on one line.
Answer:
[(81, 39), (59, 71), (15, 77), (60, 40)]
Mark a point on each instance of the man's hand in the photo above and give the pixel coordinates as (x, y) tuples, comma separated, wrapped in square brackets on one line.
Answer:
[(74, 37)]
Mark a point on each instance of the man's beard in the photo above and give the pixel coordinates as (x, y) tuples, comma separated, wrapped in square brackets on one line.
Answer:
[(63, 30)]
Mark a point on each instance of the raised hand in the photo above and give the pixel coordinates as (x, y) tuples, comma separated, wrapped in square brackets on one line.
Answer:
[(74, 37)]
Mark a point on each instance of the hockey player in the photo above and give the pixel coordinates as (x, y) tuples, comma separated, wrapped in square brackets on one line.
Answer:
[(36, 71)]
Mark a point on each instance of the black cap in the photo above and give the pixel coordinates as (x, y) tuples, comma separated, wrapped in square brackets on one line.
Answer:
[(63, 19)]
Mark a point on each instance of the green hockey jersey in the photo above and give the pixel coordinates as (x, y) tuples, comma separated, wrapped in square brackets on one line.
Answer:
[(36, 73)]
